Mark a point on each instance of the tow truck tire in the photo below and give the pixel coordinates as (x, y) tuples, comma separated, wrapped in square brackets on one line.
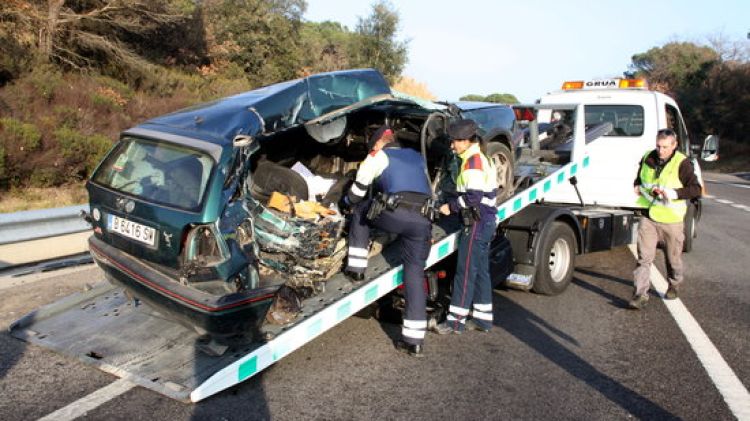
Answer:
[(503, 161), (555, 268), (689, 229)]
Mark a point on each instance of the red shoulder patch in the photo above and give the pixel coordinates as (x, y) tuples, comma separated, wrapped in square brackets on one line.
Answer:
[(473, 163)]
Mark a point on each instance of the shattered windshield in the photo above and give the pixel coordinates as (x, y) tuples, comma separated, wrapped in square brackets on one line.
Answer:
[(157, 171), (331, 92)]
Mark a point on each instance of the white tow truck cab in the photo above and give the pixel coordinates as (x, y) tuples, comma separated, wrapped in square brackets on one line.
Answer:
[(598, 209), (636, 114)]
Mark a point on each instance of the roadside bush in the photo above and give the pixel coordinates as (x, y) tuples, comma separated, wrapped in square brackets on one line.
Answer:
[(108, 98), (17, 135), (45, 79), (2, 163), (66, 116), (81, 153), (46, 177)]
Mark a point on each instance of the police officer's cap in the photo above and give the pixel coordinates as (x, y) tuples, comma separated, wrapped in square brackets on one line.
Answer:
[(383, 131), (463, 129)]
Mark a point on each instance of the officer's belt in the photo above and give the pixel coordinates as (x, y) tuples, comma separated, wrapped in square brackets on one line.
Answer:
[(411, 201)]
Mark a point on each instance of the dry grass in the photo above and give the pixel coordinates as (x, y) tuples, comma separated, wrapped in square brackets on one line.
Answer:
[(42, 198), (411, 86)]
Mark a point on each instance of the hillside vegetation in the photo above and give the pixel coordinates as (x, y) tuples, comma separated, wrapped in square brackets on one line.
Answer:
[(73, 74)]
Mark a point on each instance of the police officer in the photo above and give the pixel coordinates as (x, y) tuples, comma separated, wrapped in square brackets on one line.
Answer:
[(400, 179), (476, 186)]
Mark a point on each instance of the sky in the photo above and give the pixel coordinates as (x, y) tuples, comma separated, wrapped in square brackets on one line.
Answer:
[(528, 48)]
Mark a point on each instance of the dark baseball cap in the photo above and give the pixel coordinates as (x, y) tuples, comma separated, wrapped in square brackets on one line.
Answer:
[(462, 129)]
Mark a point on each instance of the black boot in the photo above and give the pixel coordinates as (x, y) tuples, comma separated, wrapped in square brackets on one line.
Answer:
[(354, 276), (411, 349)]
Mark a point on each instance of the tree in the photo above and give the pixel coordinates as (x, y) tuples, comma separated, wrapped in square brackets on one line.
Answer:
[(675, 66), (260, 36), (502, 98), (472, 97), (496, 98), (376, 45), (325, 47), (99, 34)]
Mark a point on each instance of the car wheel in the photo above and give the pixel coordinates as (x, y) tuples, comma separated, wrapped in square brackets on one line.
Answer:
[(504, 165), (555, 267)]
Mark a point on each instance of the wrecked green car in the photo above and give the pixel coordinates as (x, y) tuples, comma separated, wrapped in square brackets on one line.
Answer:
[(183, 205)]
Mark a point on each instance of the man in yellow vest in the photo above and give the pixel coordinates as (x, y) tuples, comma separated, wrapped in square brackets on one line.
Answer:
[(665, 182)]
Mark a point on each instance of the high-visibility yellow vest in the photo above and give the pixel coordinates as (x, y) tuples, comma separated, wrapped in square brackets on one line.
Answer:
[(664, 211)]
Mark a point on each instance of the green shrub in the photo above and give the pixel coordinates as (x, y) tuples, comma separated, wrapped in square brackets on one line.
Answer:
[(17, 134), (66, 116), (71, 143), (46, 177), (82, 153), (124, 90), (105, 101), (45, 79), (98, 146), (2, 163)]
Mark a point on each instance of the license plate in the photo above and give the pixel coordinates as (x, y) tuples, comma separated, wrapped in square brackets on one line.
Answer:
[(130, 229)]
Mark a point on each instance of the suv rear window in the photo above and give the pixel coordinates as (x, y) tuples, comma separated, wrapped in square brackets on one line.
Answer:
[(159, 172), (627, 120)]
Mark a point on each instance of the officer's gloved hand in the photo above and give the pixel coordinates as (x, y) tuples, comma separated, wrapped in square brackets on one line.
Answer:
[(345, 205)]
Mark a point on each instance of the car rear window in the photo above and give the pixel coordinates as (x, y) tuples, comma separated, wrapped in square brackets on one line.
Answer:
[(159, 172), (627, 120)]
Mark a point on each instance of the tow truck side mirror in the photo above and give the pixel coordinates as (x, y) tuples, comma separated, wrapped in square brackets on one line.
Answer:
[(710, 149)]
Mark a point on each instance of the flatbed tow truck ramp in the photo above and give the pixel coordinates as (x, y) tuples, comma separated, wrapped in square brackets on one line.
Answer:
[(103, 328)]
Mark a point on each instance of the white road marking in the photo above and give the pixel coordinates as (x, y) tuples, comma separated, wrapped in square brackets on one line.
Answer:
[(724, 201), (87, 403), (708, 196), (744, 186), (740, 206), (731, 388)]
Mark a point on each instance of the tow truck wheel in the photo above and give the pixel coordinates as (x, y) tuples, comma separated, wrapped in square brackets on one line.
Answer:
[(555, 268), (689, 229), (503, 161)]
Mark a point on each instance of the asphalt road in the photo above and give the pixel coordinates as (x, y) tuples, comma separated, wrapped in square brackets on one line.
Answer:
[(580, 355)]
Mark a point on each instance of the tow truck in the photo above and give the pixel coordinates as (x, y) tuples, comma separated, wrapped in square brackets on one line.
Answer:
[(103, 327)]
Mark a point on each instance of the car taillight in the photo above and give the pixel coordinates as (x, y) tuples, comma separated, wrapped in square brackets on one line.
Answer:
[(203, 246)]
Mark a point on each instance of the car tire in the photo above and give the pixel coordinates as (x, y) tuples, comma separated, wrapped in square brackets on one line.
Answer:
[(557, 260), (504, 165), (690, 225), (270, 177)]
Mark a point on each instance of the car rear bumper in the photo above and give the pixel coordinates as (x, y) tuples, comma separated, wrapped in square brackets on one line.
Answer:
[(228, 314)]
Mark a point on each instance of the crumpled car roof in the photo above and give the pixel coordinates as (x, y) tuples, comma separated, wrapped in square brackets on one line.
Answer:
[(272, 108)]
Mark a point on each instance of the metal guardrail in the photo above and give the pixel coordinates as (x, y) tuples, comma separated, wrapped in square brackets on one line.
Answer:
[(35, 224)]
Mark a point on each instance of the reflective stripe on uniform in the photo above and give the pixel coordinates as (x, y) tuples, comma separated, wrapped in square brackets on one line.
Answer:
[(357, 262), (483, 307), (357, 191), (488, 201), (458, 310), (415, 324), (412, 333), (461, 202), (452, 318), (482, 315), (358, 251)]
